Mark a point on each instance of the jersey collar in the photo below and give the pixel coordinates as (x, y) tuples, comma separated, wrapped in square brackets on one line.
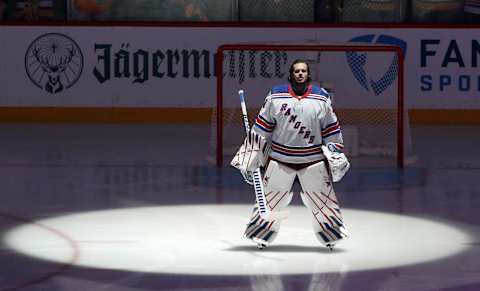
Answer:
[(291, 92)]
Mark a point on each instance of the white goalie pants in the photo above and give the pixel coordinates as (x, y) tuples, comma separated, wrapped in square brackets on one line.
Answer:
[(317, 194)]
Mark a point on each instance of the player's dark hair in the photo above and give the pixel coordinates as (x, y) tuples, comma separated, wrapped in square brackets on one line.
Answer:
[(299, 61)]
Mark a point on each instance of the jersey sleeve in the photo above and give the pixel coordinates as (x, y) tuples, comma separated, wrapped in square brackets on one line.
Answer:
[(331, 130), (265, 122)]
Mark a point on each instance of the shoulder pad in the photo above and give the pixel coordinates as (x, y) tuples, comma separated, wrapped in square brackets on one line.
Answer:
[(320, 91), (280, 89)]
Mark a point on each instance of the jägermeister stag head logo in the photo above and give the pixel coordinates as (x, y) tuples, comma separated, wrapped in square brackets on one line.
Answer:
[(54, 62)]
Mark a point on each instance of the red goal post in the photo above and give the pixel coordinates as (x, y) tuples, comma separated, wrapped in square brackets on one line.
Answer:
[(398, 112)]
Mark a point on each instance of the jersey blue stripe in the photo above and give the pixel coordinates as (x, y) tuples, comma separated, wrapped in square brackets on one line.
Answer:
[(332, 133), (296, 148), (266, 121), (263, 128), (296, 155)]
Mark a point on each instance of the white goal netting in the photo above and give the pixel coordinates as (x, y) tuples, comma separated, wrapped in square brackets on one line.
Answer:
[(365, 83)]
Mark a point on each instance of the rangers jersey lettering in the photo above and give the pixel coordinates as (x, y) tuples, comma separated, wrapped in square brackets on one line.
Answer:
[(298, 125)]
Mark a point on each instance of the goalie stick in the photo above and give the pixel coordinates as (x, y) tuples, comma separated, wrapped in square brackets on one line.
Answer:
[(263, 209)]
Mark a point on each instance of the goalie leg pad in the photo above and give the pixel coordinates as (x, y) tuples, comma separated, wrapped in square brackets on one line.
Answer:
[(278, 182), (319, 197)]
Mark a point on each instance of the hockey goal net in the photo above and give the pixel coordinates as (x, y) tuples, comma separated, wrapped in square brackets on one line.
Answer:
[(365, 83)]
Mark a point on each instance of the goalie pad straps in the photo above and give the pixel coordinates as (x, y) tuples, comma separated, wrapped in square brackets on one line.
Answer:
[(253, 153)]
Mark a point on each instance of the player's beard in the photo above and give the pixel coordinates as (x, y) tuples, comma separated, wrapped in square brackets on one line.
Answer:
[(299, 88)]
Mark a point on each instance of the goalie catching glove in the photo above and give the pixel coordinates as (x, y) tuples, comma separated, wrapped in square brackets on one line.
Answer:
[(337, 161), (252, 155)]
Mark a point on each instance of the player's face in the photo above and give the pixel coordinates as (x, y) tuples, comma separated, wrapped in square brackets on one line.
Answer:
[(300, 73)]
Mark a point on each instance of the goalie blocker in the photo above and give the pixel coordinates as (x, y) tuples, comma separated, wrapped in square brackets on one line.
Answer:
[(253, 154)]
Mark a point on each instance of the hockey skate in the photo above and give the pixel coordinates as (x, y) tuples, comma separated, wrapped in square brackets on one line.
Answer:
[(261, 244), (330, 246)]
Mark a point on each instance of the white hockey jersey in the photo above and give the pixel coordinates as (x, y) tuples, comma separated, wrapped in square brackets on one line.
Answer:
[(298, 125)]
